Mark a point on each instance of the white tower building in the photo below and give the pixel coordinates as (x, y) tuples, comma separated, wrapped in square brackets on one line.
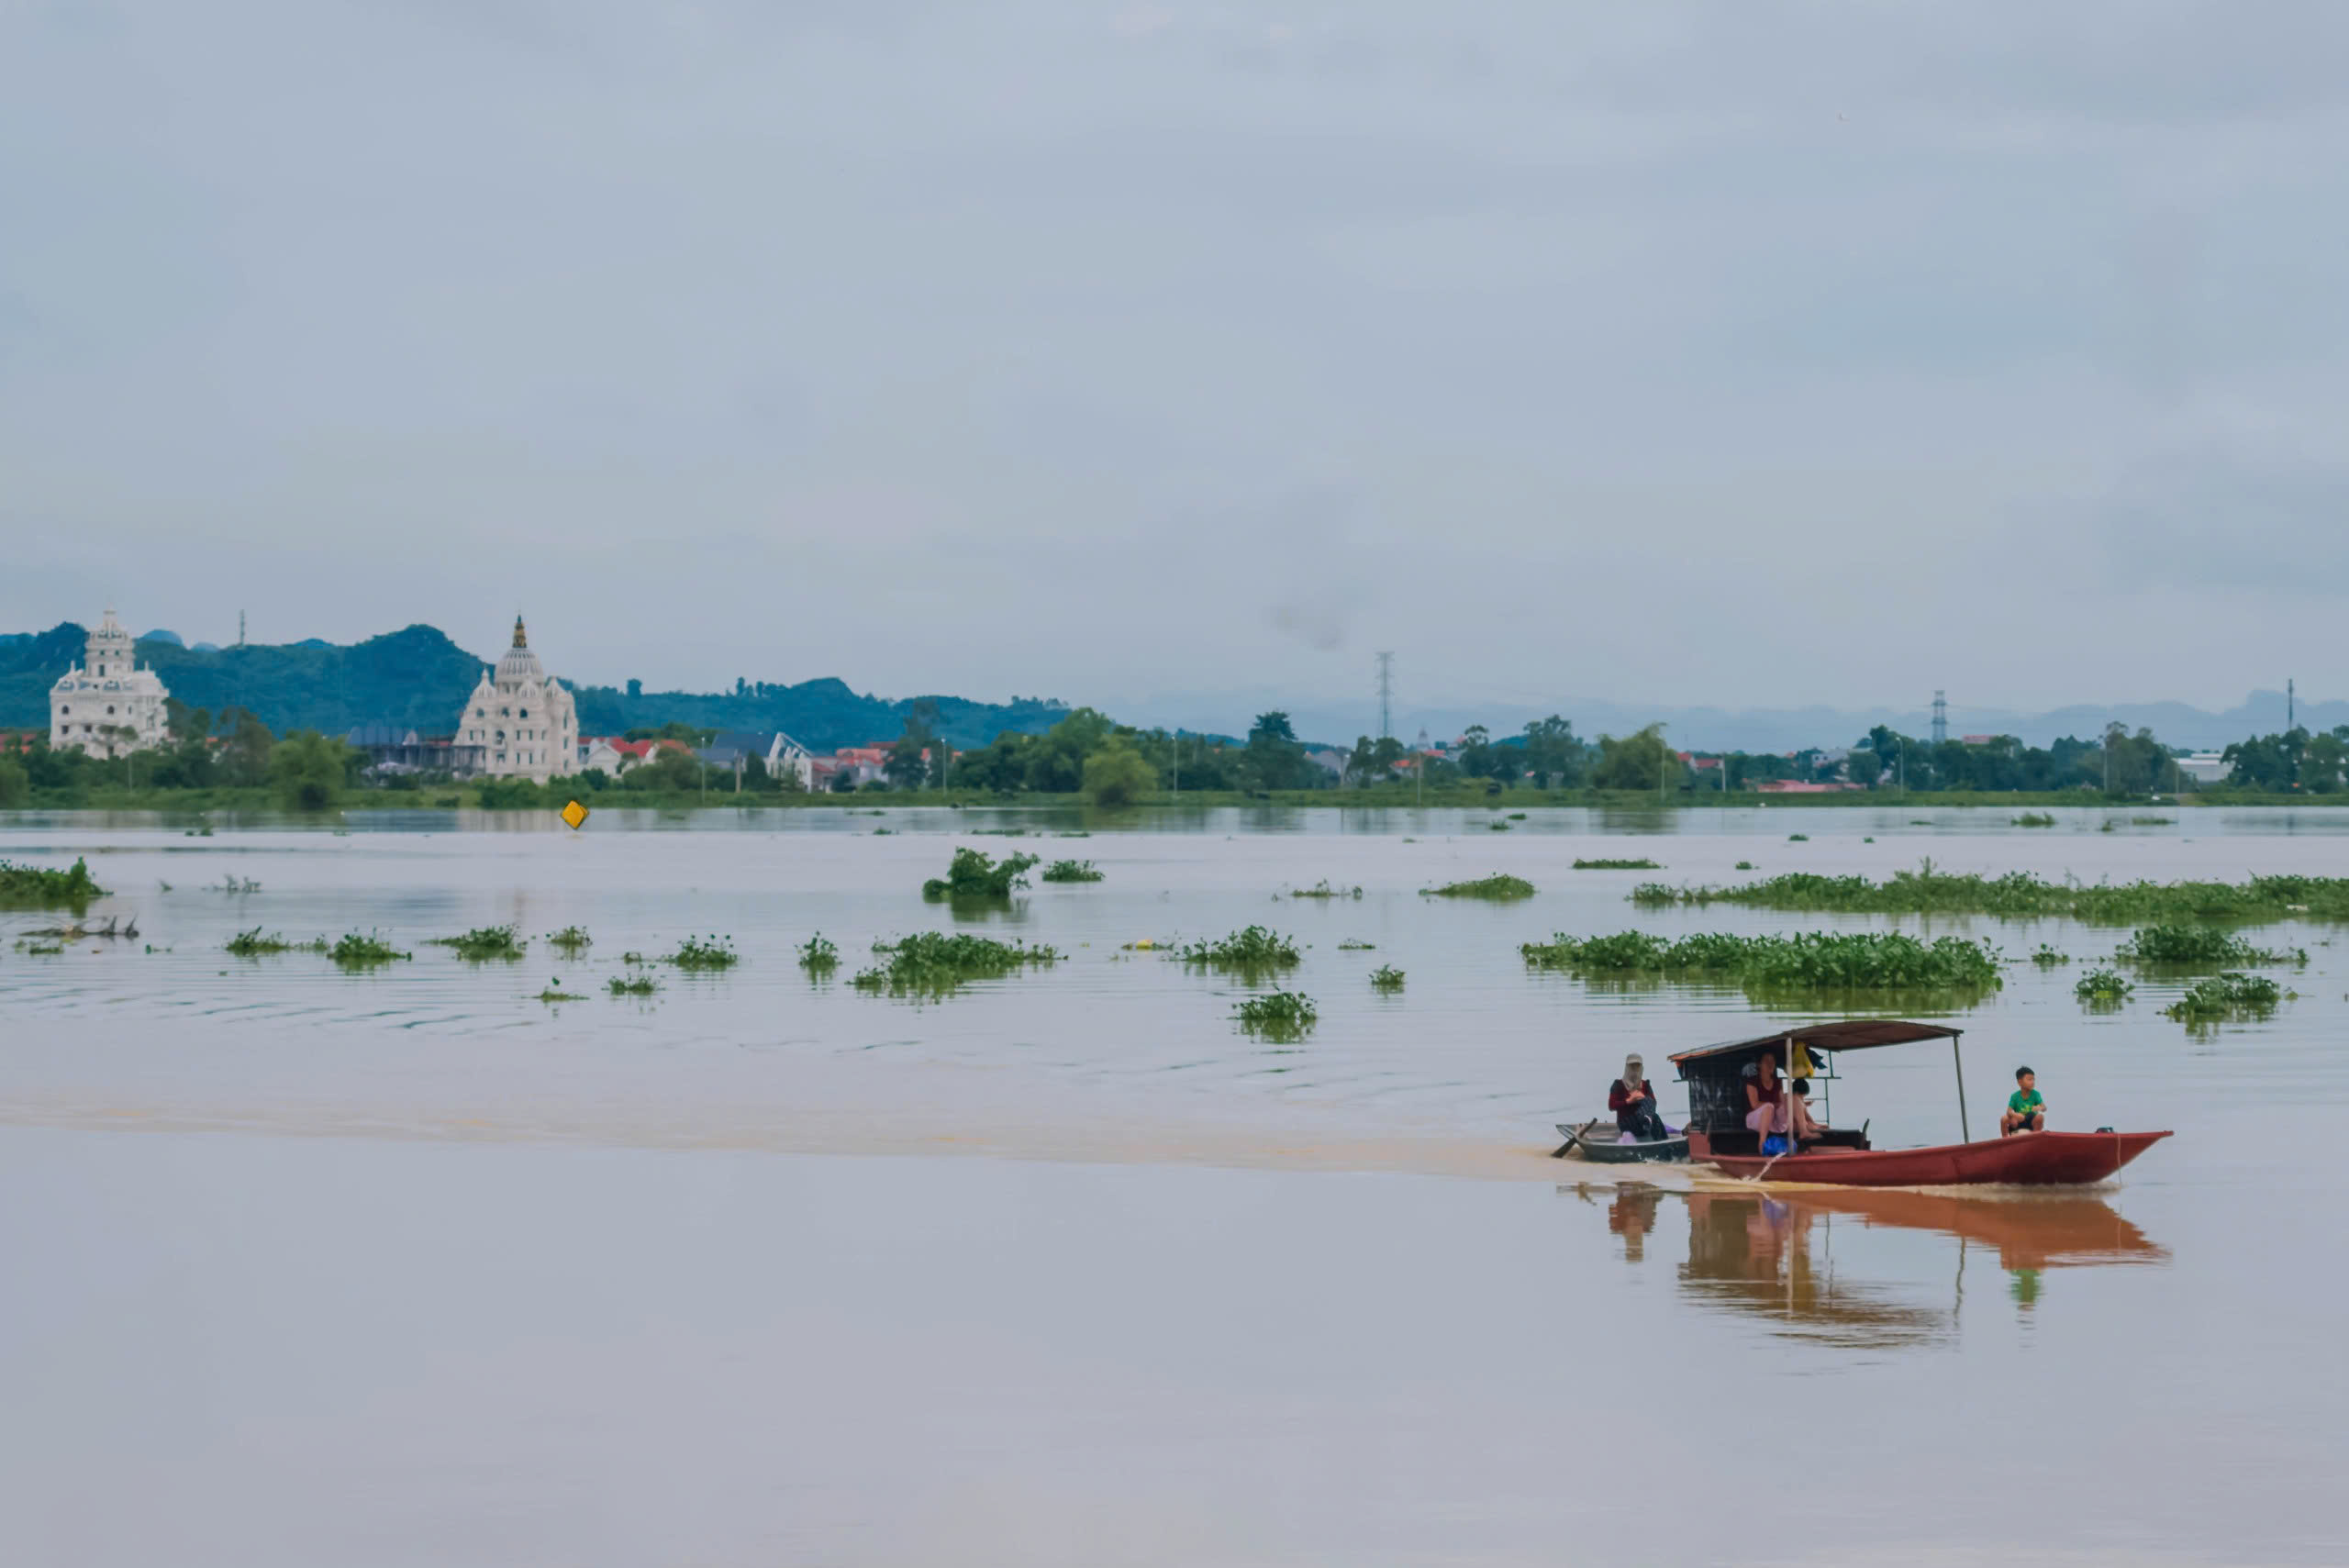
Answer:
[(521, 721), (107, 705)]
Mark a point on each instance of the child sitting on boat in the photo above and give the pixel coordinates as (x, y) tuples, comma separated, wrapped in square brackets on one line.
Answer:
[(2026, 1112)]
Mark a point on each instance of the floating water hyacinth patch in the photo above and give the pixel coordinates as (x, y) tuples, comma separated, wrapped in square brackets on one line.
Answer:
[(368, 952), (1386, 977), (1498, 885), (705, 953), (484, 943), (252, 944), (1251, 948), (1072, 871), (933, 964), (1279, 1015)]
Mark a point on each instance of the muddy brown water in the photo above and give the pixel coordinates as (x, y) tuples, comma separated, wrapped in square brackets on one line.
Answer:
[(408, 1265)]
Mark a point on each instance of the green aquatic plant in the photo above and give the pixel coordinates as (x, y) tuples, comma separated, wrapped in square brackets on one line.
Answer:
[(1072, 871), (368, 952), (2047, 957), (974, 874), (1826, 960), (1797, 837), (631, 985), (1497, 824), (41, 886), (252, 944), (1282, 1015), (929, 965), (1643, 863), (1322, 889), (1516, 815), (1386, 977), (483, 943), (1251, 948), (2228, 995), (819, 954), (2022, 895), (2200, 946), (1743, 865), (2034, 819), (703, 954), (1498, 885), (571, 941), (1352, 945), (2103, 986), (555, 993), (2151, 822)]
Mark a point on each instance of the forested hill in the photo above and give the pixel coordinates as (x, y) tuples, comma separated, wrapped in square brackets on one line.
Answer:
[(418, 678)]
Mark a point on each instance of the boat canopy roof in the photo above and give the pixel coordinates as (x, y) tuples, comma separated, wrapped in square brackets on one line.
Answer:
[(1839, 1034)]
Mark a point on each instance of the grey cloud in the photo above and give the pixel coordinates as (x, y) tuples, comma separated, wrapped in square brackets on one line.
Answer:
[(358, 314)]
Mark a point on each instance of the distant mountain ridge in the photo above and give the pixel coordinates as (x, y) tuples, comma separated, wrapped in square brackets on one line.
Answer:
[(416, 678)]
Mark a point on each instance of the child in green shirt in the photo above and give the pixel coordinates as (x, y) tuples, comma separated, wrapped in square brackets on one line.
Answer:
[(2026, 1112)]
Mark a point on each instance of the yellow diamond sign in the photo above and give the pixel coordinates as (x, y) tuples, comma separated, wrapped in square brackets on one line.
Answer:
[(575, 813)]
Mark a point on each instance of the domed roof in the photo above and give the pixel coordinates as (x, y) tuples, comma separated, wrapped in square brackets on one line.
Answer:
[(519, 663)]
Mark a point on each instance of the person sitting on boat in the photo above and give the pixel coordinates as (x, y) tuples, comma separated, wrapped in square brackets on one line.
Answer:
[(2026, 1112), (1808, 1127), (1765, 1100), (1633, 1099), (1772, 1111)]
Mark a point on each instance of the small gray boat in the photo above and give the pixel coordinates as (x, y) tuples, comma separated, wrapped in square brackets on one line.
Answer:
[(1605, 1147)]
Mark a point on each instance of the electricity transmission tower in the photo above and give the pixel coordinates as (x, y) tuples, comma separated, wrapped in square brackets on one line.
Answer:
[(1940, 719), (1386, 696)]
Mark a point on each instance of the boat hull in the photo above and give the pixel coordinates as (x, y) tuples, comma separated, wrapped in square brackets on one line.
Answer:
[(1604, 1150), (2027, 1160)]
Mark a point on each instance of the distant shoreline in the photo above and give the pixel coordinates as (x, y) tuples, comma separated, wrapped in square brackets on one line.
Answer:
[(467, 797)]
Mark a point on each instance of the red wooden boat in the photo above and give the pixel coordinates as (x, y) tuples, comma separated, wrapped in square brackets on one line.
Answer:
[(1717, 1136)]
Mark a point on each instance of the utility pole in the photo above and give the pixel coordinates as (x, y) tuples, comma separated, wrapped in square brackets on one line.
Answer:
[(1386, 696)]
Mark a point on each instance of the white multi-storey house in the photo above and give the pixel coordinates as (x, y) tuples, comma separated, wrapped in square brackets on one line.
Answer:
[(520, 722), (107, 706)]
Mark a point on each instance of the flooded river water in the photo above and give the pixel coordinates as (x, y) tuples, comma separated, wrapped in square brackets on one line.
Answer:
[(412, 1266)]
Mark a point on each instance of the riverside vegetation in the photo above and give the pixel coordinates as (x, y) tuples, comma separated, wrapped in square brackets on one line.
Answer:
[(1498, 885), (1925, 891), (930, 966), (975, 876), (1805, 961), (43, 888)]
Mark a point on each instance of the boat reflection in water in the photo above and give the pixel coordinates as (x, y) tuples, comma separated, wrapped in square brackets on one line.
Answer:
[(1775, 1256)]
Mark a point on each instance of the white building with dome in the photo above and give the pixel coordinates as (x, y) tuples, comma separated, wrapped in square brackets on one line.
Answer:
[(520, 722), (107, 706)]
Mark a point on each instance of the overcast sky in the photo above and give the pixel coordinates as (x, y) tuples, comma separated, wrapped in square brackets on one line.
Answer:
[(1729, 353)]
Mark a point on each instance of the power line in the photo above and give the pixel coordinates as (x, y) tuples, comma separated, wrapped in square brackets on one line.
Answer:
[(1386, 696)]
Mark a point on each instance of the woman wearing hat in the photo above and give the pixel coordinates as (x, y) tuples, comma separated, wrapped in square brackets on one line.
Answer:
[(1633, 1099)]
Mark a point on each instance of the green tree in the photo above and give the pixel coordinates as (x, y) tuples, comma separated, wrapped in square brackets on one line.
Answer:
[(246, 758), (1553, 754), (907, 766), (670, 771), (1118, 773), (15, 783), (1864, 767), (2326, 760), (1636, 762), (308, 770), (1275, 759)]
